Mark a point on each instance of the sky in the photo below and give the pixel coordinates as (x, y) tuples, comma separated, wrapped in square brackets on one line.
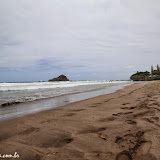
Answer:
[(83, 39)]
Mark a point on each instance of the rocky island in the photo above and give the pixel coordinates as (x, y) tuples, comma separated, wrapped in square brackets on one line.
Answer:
[(60, 78)]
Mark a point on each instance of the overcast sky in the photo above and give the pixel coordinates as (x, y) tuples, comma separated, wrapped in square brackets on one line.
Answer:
[(83, 39)]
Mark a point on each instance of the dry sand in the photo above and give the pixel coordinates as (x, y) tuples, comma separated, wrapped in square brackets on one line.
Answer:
[(120, 126)]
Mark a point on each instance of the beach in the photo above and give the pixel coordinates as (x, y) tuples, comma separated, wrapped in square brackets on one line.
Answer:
[(119, 126)]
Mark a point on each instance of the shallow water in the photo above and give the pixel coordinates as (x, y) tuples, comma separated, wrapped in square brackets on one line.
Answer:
[(13, 93), (22, 109)]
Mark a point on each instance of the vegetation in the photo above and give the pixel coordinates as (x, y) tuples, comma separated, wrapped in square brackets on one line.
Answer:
[(147, 76)]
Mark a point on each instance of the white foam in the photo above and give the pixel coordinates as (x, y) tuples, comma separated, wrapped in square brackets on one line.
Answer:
[(45, 85)]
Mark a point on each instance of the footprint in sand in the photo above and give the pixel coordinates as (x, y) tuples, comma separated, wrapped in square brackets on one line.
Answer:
[(93, 106), (131, 122), (100, 156), (122, 113), (57, 142), (107, 119), (69, 114), (130, 142), (125, 104), (122, 96), (145, 113), (156, 104), (147, 156), (125, 155), (108, 100), (92, 130), (155, 97), (152, 120), (78, 110), (97, 103), (29, 130), (128, 108), (144, 148)]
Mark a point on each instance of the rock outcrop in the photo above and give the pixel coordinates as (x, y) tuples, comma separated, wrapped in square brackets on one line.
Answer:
[(60, 78)]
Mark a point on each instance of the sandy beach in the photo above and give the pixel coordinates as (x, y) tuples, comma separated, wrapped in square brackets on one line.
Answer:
[(119, 126)]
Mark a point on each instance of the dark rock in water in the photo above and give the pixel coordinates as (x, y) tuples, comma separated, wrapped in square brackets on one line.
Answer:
[(9, 104), (60, 78)]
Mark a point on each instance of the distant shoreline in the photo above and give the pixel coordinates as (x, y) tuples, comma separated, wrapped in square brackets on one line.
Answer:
[(60, 81)]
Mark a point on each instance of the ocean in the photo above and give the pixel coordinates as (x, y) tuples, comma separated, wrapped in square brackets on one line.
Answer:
[(18, 99), (14, 93)]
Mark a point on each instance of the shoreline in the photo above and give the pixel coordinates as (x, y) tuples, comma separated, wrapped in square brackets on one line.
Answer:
[(29, 94), (7, 104), (123, 125), (40, 105)]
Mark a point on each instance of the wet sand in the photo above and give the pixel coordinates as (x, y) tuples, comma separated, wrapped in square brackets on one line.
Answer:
[(119, 126)]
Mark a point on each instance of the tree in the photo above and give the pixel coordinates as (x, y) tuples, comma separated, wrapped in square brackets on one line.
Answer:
[(145, 76), (155, 73), (152, 70), (140, 76), (158, 70)]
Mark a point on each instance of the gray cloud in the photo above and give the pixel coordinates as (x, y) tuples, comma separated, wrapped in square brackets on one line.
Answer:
[(102, 36)]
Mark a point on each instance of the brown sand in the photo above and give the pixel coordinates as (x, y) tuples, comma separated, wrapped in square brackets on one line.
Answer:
[(120, 126)]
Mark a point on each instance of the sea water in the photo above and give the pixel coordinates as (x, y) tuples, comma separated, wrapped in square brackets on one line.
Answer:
[(19, 99), (13, 93)]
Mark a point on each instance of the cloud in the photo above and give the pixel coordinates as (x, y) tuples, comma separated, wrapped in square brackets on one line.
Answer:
[(79, 37)]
